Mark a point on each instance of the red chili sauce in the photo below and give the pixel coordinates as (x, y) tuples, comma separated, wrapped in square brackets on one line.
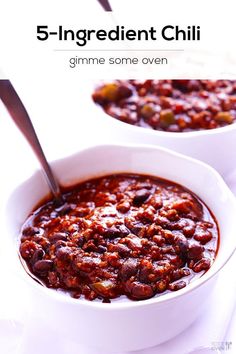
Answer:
[(121, 235), (170, 105)]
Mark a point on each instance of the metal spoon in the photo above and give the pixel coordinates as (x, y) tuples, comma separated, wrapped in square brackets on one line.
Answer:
[(20, 116), (105, 4)]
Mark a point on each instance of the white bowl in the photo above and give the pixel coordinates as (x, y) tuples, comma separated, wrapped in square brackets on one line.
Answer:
[(129, 325), (216, 146)]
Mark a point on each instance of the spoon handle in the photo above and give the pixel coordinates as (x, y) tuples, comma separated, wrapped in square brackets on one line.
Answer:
[(20, 116), (105, 4)]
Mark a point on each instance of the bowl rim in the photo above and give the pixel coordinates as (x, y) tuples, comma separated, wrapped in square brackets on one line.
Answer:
[(119, 305), (175, 135)]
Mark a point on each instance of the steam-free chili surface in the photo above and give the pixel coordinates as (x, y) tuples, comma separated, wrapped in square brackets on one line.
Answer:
[(138, 236), (170, 105)]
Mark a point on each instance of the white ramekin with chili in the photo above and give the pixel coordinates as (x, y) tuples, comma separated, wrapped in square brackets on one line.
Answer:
[(193, 117), (128, 324)]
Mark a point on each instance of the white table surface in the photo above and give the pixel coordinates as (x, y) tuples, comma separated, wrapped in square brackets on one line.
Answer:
[(49, 114)]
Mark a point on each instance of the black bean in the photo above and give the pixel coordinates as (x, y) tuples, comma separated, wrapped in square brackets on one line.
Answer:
[(81, 241), (101, 249), (122, 249), (38, 255), (31, 231), (141, 291), (58, 236), (144, 274), (182, 245), (128, 269), (195, 251), (64, 254), (124, 231), (177, 286), (123, 207), (116, 231), (43, 266), (60, 244), (141, 196), (136, 227), (89, 246), (203, 264), (180, 273), (202, 234), (124, 92)]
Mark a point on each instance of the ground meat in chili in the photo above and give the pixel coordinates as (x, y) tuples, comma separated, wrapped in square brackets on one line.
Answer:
[(170, 105), (121, 235)]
